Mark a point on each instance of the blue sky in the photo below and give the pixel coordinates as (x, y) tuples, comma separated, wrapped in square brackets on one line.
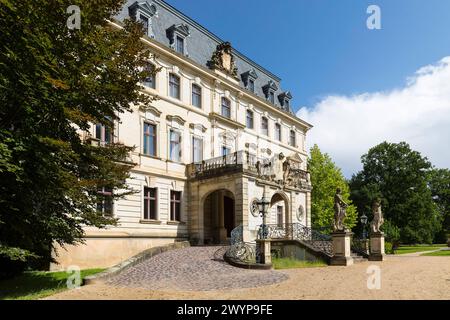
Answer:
[(358, 87), (322, 47)]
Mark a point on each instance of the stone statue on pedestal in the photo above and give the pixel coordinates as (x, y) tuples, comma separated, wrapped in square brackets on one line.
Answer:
[(378, 220), (277, 169), (339, 211)]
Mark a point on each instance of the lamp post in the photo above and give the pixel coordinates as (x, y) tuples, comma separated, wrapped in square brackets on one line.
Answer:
[(263, 205), (363, 220)]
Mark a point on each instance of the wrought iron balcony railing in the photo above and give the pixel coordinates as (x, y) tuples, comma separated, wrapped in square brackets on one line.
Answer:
[(263, 168)]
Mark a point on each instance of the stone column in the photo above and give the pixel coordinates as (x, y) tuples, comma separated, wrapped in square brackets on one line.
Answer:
[(376, 246), (342, 255), (222, 230), (264, 247)]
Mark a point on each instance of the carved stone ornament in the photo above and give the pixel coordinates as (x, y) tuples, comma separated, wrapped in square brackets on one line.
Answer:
[(254, 208), (223, 60), (300, 213)]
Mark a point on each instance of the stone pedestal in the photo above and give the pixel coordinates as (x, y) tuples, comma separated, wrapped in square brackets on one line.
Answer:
[(342, 254), (377, 247), (264, 247)]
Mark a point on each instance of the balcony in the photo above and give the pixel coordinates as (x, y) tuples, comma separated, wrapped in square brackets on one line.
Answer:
[(284, 171)]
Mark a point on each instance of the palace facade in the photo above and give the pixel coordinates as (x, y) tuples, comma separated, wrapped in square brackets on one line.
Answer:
[(220, 137)]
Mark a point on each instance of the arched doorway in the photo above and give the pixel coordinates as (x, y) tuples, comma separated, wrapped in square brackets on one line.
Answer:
[(219, 216), (279, 209)]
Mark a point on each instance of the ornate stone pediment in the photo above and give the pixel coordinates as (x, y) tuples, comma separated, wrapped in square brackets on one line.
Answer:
[(223, 60), (144, 6), (228, 137), (176, 119)]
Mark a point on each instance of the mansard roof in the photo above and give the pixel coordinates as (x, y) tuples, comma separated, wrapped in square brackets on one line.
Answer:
[(201, 43)]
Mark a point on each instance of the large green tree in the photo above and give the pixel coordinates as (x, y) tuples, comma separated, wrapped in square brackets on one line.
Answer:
[(399, 176), (326, 177), (54, 82), (440, 190)]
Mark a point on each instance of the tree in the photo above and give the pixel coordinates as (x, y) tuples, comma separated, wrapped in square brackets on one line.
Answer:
[(55, 82), (326, 177), (399, 176), (440, 190)]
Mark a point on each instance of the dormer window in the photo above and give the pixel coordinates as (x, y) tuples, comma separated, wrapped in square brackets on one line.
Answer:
[(143, 12), (177, 35), (180, 45), (269, 90), (251, 85), (272, 97), (249, 78), (285, 99)]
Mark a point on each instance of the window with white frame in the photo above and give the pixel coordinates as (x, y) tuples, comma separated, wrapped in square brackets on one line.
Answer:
[(249, 120), (104, 133), (175, 205), (196, 96), (105, 201), (278, 131), (149, 81), (197, 149), (175, 145), (264, 126), (174, 86), (150, 139), (150, 204), (226, 107), (292, 138)]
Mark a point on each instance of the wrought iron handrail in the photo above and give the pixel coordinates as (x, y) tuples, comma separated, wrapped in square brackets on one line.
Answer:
[(360, 246), (297, 231)]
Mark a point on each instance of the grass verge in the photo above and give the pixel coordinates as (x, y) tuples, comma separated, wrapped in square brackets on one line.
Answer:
[(32, 285), (440, 253), (289, 263), (418, 248)]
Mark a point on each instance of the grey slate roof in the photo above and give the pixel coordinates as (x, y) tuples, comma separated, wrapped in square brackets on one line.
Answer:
[(201, 43)]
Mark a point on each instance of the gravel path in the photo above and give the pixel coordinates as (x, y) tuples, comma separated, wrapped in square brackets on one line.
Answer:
[(402, 277), (192, 268)]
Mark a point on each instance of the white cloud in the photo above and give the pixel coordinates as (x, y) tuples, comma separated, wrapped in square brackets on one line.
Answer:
[(347, 126)]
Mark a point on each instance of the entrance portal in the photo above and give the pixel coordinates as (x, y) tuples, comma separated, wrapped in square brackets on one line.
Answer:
[(219, 217)]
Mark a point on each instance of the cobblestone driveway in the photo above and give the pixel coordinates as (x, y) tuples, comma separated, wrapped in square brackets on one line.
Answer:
[(192, 268)]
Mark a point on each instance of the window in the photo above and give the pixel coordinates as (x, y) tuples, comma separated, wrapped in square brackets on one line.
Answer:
[(174, 86), (150, 204), (280, 216), (149, 139), (144, 21), (180, 44), (150, 80), (175, 205), (251, 85), (292, 139), (196, 96), (175, 146), (264, 126), (103, 133), (105, 201), (249, 119), (226, 110), (286, 105), (271, 97), (278, 131), (225, 151), (197, 149)]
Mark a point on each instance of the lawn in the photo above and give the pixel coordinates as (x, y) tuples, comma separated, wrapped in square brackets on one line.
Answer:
[(289, 263), (418, 248), (37, 284), (441, 253)]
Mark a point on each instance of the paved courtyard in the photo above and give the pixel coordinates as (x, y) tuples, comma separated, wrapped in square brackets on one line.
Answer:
[(193, 268), (192, 273)]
